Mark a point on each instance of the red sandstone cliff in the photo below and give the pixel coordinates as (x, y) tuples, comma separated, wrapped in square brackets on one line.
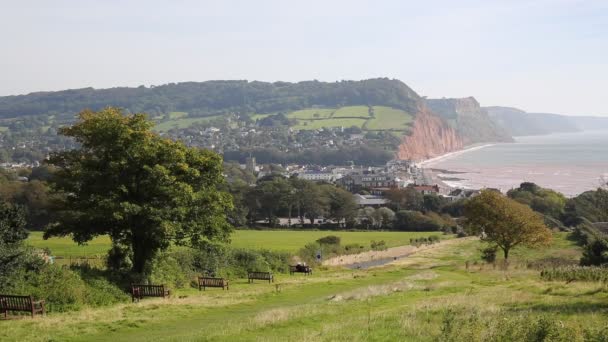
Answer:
[(430, 137)]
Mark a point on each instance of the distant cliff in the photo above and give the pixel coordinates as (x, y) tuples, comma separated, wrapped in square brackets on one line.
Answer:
[(469, 119), (518, 123), (430, 137)]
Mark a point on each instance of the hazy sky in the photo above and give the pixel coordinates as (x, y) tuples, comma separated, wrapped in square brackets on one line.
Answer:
[(543, 56)]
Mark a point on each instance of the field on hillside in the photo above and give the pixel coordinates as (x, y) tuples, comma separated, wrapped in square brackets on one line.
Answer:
[(182, 122), (386, 118), (309, 114), (429, 296), (316, 124), (281, 240), (352, 111)]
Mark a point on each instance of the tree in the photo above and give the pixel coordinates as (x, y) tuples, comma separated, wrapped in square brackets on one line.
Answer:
[(505, 222), (342, 204), (313, 203), (368, 215), (407, 198), (272, 194), (141, 190), (545, 201), (13, 254), (387, 216)]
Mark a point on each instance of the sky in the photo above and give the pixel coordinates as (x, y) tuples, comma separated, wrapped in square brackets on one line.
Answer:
[(538, 55)]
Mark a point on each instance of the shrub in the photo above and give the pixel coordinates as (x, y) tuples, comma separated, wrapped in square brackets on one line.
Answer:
[(575, 273), (425, 240), (167, 270), (465, 326), (118, 258), (62, 288), (379, 246), (488, 254), (329, 240)]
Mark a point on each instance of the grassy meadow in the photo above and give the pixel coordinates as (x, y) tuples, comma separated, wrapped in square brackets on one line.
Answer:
[(429, 296), (181, 122), (386, 118), (352, 111), (277, 240)]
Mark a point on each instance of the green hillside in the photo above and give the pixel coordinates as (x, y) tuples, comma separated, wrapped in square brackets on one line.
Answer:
[(375, 118)]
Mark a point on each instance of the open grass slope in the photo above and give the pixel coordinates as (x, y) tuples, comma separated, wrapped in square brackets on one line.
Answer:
[(277, 240), (182, 122), (384, 118), (429, 296)]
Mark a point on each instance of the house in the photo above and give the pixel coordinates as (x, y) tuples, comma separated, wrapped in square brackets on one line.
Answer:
[(426, 189), (317, 176), (376, 181), (370, 201), (458, 194)]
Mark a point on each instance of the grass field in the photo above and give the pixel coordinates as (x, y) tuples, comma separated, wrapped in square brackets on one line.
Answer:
[(309, 114), (352, 111), (278, 240), (177, 115), (3, 128), (386, 118), (429, 296), (182, 123), (255, 117), (316, 124)]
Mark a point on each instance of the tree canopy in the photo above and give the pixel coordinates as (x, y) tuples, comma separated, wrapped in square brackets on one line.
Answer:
[(505, 222), (141, 190)]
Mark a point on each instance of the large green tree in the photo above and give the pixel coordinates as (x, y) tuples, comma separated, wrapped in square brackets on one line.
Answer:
[(143, 191), (505, 222)]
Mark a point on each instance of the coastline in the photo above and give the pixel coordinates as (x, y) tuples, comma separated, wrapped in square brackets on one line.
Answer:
[(570, 163), (426, 163), (433, 176)]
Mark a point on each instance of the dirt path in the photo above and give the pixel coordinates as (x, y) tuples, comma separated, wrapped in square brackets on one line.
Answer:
[(391, 253)]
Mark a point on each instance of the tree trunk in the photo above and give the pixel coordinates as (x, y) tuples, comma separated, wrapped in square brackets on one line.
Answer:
[(139, 255), (506, 253)]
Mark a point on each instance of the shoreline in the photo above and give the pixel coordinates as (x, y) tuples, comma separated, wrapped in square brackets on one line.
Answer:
[(425, 163), (433, 175)]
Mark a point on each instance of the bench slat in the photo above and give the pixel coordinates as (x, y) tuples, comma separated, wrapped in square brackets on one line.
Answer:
[(20, 303), (204, 282)]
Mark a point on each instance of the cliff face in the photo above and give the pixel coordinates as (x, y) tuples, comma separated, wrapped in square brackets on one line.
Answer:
[(469, 119), (430, 137)]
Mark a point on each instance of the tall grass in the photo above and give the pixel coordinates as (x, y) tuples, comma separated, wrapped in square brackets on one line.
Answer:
[(576, 273)]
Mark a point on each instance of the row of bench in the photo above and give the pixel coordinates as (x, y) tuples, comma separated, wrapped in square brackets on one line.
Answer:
[(138, 291)]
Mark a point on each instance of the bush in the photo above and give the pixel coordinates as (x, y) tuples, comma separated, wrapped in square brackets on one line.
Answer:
[(425, 240), (488, 254), (167, 270), (379, 246), (329, 240), (575, 273), (118, 258), (468, 326), (66, 289), (406, 220)]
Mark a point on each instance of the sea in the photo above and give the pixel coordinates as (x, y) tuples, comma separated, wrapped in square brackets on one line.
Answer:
[(570, 163)]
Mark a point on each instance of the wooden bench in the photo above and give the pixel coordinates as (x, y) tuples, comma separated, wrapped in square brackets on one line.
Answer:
[(260, 276), (139, 291), (21, 303), (300, 269), (204, 282)]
